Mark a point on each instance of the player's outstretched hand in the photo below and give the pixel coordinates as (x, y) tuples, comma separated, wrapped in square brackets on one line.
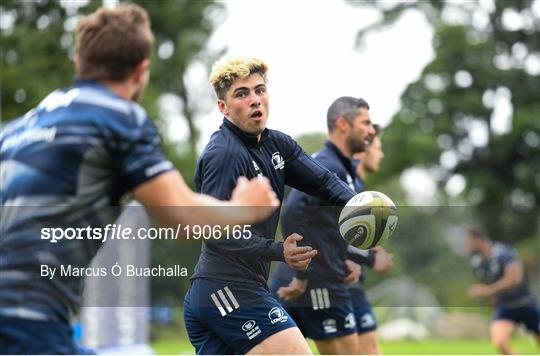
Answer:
[(298, 257), (479, 290), (383, 259), (296, 288), (355, 271), (254, 198)]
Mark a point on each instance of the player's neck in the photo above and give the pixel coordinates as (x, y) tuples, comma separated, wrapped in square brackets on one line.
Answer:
[(341, 145), (361, 171), (486, 250), (122, 89)]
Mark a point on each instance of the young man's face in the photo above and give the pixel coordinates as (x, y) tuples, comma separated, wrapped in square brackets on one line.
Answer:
[(361, 131), (373, 156), (246, 104)]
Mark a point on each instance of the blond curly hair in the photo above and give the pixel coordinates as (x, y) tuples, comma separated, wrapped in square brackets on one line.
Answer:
[(226, 72)]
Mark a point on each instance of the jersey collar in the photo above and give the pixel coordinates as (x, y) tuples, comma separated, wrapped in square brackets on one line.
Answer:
[(247, 139), (347, 163)]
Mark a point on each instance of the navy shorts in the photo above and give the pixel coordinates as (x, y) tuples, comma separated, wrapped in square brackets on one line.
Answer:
[(526, 315), (323, 324), (322, 314), (28, 337), (231, 318), (363, 314)]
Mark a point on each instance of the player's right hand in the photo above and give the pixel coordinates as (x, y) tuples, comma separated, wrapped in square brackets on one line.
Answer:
[(383, 259), (298, 257), (355, 271), (257, 196), (296, 288)]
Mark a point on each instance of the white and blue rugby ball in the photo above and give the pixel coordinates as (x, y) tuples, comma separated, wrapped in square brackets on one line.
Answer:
[(368, 220)]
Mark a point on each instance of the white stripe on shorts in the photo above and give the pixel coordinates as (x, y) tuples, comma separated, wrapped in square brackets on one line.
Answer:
[(218, 304)]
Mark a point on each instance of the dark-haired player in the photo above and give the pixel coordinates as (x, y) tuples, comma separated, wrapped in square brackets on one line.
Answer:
[(319, 299), (499, 268)]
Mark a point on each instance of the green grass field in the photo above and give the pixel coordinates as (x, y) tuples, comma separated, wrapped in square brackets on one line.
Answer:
[(430, 347)]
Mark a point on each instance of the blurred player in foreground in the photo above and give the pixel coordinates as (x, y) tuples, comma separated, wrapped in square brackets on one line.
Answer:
[(66, 164), (499, 268), (228, 308)]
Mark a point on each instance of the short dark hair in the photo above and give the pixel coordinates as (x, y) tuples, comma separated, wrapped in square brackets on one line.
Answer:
[(110, 43), (345, 106), (478, 232), (377, 129)]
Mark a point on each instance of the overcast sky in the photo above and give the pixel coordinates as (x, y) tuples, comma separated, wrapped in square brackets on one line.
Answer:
[(310, 49)]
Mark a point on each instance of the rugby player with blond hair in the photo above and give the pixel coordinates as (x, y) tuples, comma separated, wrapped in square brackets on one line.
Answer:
[(229, 308)]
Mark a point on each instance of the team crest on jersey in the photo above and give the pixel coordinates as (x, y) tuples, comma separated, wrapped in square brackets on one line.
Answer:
[(278, 161), (277, 315)]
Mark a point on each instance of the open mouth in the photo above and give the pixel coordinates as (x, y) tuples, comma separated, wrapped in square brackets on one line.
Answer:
[(257, 114)]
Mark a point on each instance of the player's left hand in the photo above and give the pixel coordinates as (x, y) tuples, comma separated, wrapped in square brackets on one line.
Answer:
[(479, 290), (355, 271), (296, 288), (297, 257)]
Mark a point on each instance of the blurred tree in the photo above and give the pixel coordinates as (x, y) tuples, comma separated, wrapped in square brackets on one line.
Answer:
[(182, 30), (311, 143), (474, 113), (36, 47)]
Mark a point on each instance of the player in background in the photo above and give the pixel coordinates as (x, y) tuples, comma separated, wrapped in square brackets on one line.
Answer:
[(499, 268), (228, 308), (67, 163), (325, 312), (377, 259)]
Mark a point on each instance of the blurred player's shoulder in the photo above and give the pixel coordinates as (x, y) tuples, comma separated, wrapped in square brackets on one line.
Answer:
[(504, 252)]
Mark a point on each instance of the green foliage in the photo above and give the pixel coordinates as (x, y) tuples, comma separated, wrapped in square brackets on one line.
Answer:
[(440, 114), (35, 54), (186, 26), (311, 143)]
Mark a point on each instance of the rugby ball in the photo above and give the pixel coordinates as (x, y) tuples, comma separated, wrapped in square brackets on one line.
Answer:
[(368, 220)]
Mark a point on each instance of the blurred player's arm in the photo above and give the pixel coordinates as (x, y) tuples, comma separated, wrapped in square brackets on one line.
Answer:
[(376, 258), (170, 201), (362, 257), (135, 144), (512, 276)]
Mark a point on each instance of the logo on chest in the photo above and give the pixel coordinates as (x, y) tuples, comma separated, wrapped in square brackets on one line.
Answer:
[(278, 161)]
